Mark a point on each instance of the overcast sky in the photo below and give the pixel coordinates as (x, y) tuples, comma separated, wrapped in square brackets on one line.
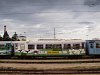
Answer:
[(38, 18)]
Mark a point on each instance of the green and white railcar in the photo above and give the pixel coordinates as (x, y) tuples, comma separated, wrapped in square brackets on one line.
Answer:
[(5, 48), (49, 48)]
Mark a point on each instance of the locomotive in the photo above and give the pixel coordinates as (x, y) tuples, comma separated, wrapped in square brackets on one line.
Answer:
[(50, 48)]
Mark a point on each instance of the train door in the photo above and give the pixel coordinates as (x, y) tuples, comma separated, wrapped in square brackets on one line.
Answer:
[(91, 47), (8, 48)]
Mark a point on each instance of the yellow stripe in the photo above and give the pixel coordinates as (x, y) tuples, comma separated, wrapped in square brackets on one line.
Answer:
[(52, 52)]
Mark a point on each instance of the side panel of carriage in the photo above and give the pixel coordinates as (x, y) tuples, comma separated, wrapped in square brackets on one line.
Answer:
[(62, 49), (5, 48), (93, 47), (55, 49), (48, 48), (77, 48)]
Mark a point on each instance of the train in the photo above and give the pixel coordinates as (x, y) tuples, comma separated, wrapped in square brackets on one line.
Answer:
[(50, 48)]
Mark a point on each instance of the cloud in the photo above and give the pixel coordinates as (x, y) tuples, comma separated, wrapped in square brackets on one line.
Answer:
[(92, 3), (86, 23), (38, 18)]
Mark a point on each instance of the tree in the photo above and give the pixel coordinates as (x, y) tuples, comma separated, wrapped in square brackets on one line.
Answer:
[(15, 37), (1, 39), (6, 37)]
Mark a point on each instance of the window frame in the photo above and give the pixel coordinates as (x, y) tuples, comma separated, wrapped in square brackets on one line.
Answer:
[(32, 46), (41, 46), (47, 46), (76, 46), (22, 48), (98, 45), (57, 46), (67, 46), (3, 46)]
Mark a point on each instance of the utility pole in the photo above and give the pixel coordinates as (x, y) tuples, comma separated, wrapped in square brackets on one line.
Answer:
[(54, 34)]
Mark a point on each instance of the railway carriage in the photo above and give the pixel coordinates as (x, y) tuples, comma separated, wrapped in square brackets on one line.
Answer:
[(49, 48), (5, 48), (93, 47)]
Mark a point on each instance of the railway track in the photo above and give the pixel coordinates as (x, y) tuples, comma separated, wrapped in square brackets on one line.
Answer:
[(83, 66), (76, 62), (50, 61), (89, 71)]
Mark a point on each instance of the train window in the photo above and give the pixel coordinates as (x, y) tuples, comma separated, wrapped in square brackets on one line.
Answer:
[(82, 45), (22, 46), (2, 46), (49, 46), (91, 45), (97, 45), (67, 46), (31, 46), (57, 46), (39, 46), (76, 46)]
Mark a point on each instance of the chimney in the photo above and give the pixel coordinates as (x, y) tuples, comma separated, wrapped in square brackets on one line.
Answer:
[(4, 29)]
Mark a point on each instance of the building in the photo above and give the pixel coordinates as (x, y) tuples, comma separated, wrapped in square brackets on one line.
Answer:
[(22, 38)]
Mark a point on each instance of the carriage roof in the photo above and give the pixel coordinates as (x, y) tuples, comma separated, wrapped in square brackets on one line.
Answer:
[(45, 41)]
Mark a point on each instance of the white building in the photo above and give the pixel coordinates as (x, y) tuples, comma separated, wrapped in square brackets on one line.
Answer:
[(22, 38)]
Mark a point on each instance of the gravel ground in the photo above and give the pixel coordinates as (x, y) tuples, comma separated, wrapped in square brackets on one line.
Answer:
[(53, 60), (49, 66)]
